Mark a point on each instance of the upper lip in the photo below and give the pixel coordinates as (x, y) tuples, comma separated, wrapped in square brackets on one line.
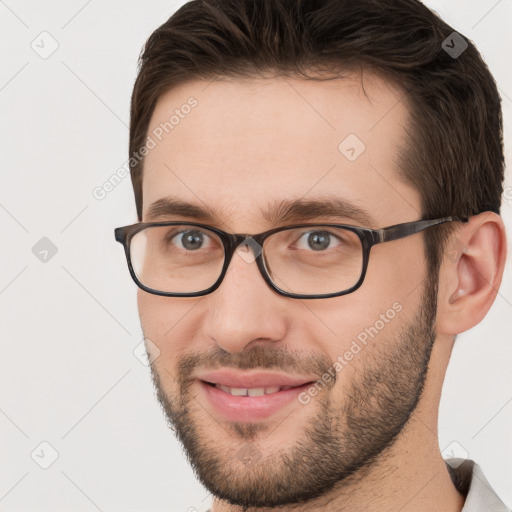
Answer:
[(253, 380)]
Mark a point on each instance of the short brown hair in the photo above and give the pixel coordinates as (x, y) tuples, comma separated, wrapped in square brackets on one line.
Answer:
[(454, 151)]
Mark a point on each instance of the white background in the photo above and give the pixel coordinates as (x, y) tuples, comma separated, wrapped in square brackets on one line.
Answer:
[(68, 374)]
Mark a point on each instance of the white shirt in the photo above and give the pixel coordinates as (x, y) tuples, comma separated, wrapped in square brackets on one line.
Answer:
[(469, 479)]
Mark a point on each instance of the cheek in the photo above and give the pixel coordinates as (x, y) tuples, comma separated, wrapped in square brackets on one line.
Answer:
[(353, 328), (367, 343), (395, 270), (164, 320)]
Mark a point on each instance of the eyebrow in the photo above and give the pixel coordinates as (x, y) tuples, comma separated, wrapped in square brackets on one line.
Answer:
[(281, 212)]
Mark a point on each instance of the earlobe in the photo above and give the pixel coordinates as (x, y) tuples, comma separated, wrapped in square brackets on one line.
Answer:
[(471, 273)]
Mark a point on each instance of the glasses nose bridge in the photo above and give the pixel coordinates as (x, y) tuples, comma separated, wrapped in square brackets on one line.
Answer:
[(253, 242), (238, 239)]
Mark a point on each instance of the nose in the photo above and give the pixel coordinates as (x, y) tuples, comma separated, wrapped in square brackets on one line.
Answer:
[(244, 308)]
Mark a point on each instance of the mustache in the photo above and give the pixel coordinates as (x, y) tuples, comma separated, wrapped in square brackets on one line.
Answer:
[(258, 357)]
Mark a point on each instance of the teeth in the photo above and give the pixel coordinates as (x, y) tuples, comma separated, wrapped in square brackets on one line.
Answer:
[(256, 391), (238, 391), (250, 391)]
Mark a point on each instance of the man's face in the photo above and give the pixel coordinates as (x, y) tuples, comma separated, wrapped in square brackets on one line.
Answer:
[(245, 146)]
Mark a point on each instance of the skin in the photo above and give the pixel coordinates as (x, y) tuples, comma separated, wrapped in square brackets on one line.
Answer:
[(369, 440)]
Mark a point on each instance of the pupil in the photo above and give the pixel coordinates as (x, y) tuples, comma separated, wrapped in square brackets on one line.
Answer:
[(319, 241), (192, 240)]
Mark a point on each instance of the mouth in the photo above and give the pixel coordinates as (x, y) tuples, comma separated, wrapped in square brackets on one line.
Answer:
[(250, 404), (256, 391)]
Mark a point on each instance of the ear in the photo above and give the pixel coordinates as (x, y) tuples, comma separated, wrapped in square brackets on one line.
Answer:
[(470, 273)]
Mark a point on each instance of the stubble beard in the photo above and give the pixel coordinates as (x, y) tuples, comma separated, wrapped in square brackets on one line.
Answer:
[(337, 441)]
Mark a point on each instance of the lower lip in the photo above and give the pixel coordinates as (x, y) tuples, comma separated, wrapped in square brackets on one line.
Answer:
[(250, 408)]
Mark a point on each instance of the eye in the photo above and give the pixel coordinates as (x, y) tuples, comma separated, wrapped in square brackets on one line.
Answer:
[(318, 240), (188, 239)]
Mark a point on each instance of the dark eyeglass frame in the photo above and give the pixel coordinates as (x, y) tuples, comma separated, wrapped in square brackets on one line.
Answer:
[(369, 238)]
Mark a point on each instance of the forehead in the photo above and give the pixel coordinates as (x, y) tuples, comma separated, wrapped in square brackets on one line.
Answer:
[(235, 146)]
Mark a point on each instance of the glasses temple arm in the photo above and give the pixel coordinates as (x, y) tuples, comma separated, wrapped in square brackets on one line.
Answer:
[(409, 228)]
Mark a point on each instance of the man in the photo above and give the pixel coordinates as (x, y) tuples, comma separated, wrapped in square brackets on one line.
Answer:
[(302, 368)]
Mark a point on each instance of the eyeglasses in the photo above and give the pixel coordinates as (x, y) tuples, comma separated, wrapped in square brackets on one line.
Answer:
[(304, 261)]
